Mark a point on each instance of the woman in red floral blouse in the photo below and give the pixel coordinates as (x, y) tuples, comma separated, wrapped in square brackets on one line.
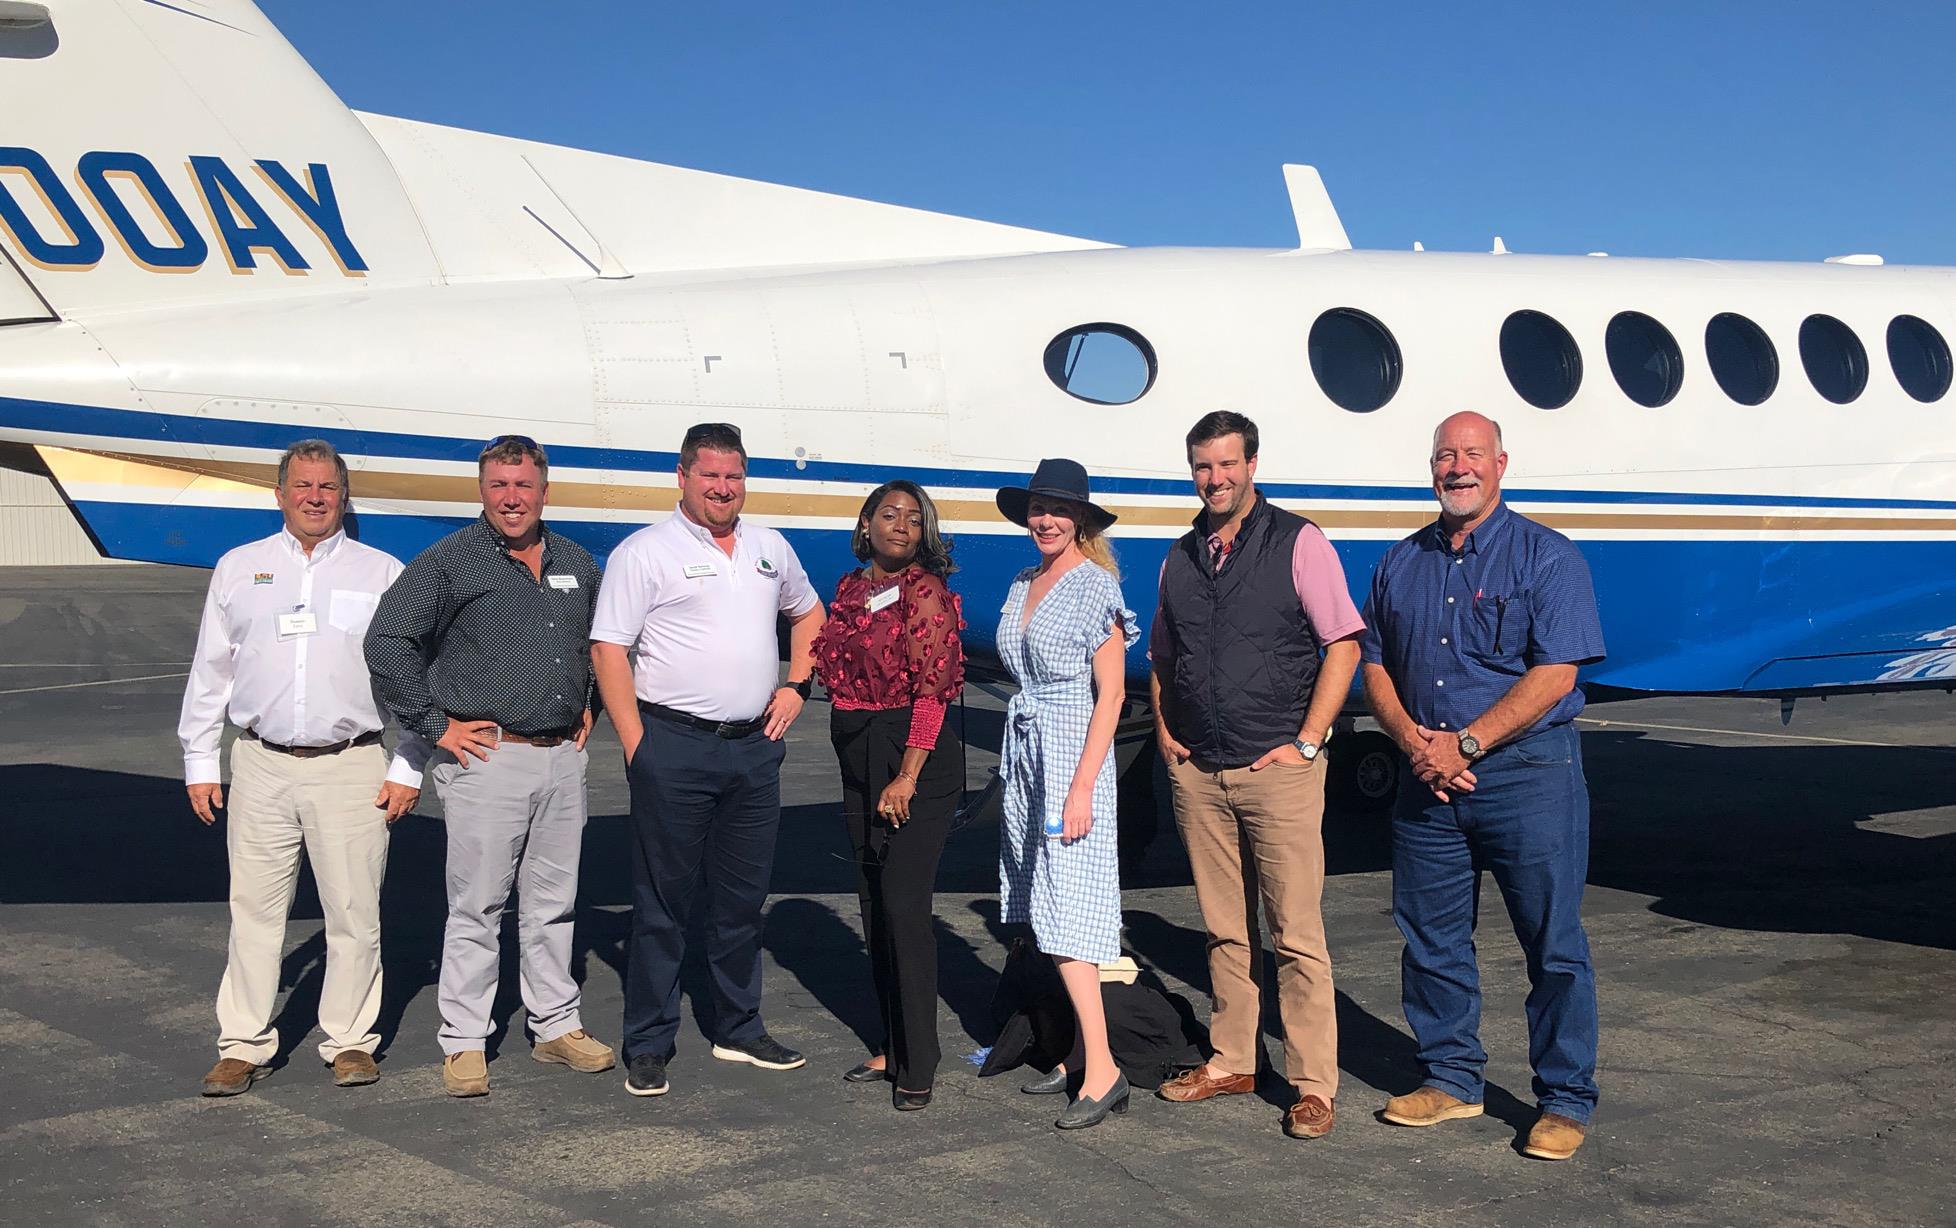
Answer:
[(891, 660)]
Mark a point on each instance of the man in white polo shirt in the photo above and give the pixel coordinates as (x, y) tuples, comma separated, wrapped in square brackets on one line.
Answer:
[(279, 653), (683, 645)]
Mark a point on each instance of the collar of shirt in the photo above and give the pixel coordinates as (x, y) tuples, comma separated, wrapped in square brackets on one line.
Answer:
[(320, 553), (1485, 533), (1220, 550), (489, 535), (703, 534)]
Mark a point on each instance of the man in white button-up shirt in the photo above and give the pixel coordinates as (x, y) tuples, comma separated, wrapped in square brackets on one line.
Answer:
[(279, 653)]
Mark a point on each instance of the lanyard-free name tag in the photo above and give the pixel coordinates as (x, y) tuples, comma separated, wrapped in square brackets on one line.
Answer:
[(696, 570), (562, 583), (885, 599), (302, 622)]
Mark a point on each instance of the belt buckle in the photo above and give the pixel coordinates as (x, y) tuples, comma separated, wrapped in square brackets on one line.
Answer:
[(726, 729)]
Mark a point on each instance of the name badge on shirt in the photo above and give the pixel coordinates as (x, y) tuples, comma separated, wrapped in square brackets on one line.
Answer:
[(885, 599), (562, 583), (695, 570), (297, 623)]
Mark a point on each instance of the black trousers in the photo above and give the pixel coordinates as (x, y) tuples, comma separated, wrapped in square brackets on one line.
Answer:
[(702, 807), (896, 874)]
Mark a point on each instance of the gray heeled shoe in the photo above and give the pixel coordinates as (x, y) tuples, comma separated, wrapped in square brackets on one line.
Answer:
[(1052, 1084), (1086, 1111)]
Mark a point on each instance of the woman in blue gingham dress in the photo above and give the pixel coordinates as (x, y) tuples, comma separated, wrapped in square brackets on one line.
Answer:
[(1064, 635), (1070, 890)]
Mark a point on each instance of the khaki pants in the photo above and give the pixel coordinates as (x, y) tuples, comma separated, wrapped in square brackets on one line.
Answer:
[(1258, 836), (279, 807)]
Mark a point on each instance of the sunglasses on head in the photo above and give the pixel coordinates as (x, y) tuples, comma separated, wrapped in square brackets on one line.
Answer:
[(524, 440)]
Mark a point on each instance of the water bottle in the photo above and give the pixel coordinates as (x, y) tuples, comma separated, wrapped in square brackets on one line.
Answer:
[(1055, 825)]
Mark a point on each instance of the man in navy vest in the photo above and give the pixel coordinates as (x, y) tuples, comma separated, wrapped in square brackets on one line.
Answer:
[(1254, 646), (1477, 624)]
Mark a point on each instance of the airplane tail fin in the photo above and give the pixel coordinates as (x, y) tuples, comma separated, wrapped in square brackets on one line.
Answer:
[(160, 153)]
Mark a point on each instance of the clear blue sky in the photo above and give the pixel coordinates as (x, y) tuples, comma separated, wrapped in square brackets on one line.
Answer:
[(1790, 130)]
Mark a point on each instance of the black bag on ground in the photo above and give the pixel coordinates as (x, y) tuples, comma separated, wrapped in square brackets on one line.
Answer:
[(1154, 1033)]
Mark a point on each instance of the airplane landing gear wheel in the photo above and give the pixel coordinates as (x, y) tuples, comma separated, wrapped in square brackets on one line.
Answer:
[(1364, 772)]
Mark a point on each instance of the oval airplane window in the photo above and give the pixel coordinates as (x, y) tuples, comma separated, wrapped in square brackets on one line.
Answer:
[(1919, 356), (1835, 360), (1541, 359), (1644, 357), (1742, 358), (1107, 364), (1355, 359)]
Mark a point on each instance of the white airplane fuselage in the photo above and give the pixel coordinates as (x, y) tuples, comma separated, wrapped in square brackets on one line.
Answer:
[(1776, 548)]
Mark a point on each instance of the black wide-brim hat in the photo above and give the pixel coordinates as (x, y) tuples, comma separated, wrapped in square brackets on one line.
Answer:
[(1056, 479)]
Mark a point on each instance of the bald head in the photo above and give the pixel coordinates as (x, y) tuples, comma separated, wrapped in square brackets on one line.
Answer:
[(1468, 420), (1468, 464)]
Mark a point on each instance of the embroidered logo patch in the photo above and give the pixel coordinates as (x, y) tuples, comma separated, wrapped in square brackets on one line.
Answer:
[(261, 577), (766, 568)]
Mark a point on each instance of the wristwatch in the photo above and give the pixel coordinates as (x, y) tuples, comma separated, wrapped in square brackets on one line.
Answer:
[(1307, 749), (1470, 746), (802, 688)]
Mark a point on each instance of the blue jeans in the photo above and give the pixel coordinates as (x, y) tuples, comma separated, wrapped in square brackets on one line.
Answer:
[(1527, 821)]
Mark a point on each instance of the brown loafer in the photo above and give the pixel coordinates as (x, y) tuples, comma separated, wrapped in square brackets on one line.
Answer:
[(1554, 1137), (354, 1068), (1429, 1106), (1310, 1117), (465, 1073), (232, 1075), (1198, 1084), (578, 1050)]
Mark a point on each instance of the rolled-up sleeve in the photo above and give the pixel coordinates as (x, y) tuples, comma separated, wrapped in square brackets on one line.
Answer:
[(1371, 647), (400, 643)]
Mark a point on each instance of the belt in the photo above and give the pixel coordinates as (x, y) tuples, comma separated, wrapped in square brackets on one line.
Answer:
[(549, 737), (724, 729), (315, 752)]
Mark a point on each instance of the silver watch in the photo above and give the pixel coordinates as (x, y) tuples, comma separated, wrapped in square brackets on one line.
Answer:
[(1307, 749)]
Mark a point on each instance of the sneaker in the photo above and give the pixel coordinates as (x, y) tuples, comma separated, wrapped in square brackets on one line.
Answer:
[(465, 1073), (578, 1050), (763, 1051), (354, 1068), (232, 1075), (645, 1075)]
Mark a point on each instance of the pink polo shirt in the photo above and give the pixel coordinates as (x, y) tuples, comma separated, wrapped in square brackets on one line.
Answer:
[(1319, 579)]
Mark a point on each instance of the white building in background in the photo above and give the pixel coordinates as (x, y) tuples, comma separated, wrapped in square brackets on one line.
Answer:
[(36, 526)]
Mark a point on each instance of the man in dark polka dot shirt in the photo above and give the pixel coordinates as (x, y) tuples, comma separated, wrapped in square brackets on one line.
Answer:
[(483, 646)]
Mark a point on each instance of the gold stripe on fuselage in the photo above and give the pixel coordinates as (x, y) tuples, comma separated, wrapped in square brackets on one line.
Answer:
[(635, 497)]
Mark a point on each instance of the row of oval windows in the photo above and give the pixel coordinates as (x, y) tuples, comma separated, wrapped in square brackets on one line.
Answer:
[(1356, 359)]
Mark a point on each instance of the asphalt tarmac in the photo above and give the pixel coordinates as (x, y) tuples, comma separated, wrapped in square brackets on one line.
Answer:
[(1770, 909)]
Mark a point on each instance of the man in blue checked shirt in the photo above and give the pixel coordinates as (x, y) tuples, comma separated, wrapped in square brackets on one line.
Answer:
[(1474, 630)]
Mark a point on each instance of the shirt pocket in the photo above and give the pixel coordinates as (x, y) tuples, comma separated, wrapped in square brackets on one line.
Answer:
[(351, 611), (1500, 625)]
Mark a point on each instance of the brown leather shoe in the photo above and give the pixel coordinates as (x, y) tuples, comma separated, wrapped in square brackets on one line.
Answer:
[(354, 1068), (578, 1050), (1429, 1106), (1198, 1084), (1554, 1137), (465, 1073), (232, 1075), (1310, 1117)]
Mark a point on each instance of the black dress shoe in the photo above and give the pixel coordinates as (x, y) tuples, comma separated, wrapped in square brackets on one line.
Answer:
[(1086, 1111), (863, 1072), (1052, 1084), (763, 1051), (909, 1102), (645, 1075)]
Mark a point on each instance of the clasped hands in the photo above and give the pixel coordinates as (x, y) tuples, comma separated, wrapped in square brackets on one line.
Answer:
[(1438, 763)]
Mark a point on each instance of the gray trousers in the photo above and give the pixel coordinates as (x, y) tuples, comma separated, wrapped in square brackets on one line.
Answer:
[(516, 819)]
